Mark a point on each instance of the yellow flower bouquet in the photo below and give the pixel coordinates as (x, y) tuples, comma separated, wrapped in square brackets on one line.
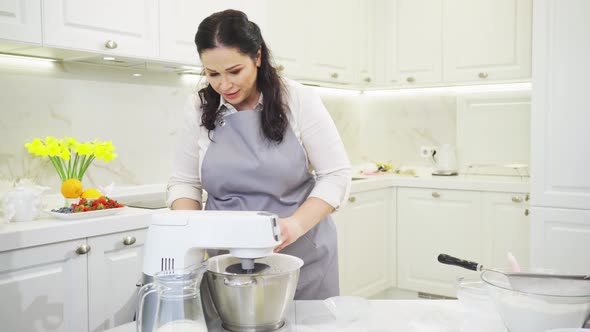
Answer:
[(71, 158)]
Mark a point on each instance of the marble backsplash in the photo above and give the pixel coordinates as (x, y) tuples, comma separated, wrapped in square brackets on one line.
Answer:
[(141, 114)]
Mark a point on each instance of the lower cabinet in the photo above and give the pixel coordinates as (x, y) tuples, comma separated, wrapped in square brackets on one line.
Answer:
[(80, 285), (114, 269), (366, 242), (44, 288), (473, 225)]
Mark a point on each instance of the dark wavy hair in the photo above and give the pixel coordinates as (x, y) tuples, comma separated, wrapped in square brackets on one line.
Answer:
[(231, 28)]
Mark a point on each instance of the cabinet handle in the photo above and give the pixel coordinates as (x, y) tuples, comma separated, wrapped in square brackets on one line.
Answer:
[(483, 74), (334, 75), (280, 68), (368, 79), (111, 44), (129, 240), (527, 197), (517, 199), (435, 194), (83, 249), (526, 212), (410, 79), (352, 199)]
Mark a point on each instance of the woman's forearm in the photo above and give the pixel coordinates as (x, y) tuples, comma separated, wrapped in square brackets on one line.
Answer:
[(311, 212), (185, 204)]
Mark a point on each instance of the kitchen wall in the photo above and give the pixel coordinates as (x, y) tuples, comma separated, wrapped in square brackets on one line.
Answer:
[(140, 115)]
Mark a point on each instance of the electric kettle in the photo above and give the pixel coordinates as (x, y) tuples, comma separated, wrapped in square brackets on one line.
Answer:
[(445, 160)]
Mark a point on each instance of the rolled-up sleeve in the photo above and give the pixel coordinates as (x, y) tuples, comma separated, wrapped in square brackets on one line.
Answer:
[(325, 150), (185, 181)]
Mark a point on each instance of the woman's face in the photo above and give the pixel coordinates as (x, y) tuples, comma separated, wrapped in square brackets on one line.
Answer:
[(233, 75)]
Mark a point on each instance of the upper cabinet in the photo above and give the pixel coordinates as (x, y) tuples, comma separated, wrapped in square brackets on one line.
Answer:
[(413, 41), (447, 42), (179, 21), (20, 20), (486, 40), (331, 45), (376, 43), (128, 28)]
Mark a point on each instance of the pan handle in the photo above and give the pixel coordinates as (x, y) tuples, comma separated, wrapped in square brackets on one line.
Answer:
[(450, 260)]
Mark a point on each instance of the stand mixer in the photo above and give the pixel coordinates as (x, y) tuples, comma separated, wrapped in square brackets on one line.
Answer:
[(178, 239)]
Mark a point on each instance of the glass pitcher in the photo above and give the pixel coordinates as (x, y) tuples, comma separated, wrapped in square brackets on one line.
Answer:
[(179, 306)]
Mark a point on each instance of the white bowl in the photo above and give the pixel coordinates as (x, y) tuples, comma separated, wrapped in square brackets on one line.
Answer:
[(347, 308)]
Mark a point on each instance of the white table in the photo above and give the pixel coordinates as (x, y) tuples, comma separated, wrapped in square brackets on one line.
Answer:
[(384, 315)]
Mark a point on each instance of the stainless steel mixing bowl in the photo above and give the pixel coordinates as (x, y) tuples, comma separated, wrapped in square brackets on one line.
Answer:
[(253, 302)]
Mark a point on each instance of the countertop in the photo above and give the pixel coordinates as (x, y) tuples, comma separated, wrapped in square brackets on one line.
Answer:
[(383, 315), (511, 184), (47, 229)]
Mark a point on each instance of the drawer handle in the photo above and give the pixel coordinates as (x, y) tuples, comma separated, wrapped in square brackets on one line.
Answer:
[(526, 212), (111, 44), (483, 74), (517, 199), (83, 249), (410, 79), (129, 240), (527, 197), (280, 68), (435, 195), (352, 199), (368, 79), (334, 75)]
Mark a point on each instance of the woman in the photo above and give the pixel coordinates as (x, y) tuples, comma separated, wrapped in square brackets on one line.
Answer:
[(252, 140)]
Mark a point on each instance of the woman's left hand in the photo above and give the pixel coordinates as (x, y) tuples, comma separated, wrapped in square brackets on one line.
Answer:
[(291, 230)]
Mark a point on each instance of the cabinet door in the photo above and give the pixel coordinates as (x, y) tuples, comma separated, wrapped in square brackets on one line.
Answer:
[(114, 269), (414, 42), (486, 40), (109, 26), (430, 222), (506, 228), (282, 23), (366, 243), (560, 117), (331, 49), (44, 288), (20, 20), (560, 239), (179, 20)]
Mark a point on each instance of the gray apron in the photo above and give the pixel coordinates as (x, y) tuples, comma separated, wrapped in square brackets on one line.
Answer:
[(243, 171)]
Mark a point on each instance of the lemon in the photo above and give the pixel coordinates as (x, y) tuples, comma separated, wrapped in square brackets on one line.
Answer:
[(91, 193), (71, 188)]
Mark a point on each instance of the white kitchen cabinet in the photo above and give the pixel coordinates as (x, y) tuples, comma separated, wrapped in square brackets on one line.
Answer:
[(486, 40), (560, 185), (506, 228), (367, 46), (179, 20), (413, 41), (44, 288), (431, 222), (114, 268), (331, 46), (560, 239), (80, 285), (128, 28), (366, 242), (20, 21)]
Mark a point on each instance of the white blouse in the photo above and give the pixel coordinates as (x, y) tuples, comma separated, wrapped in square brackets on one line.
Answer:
[(312, 125)]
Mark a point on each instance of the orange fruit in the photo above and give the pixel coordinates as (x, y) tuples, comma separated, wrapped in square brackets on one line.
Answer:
[(71, 188), (91, 193)]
